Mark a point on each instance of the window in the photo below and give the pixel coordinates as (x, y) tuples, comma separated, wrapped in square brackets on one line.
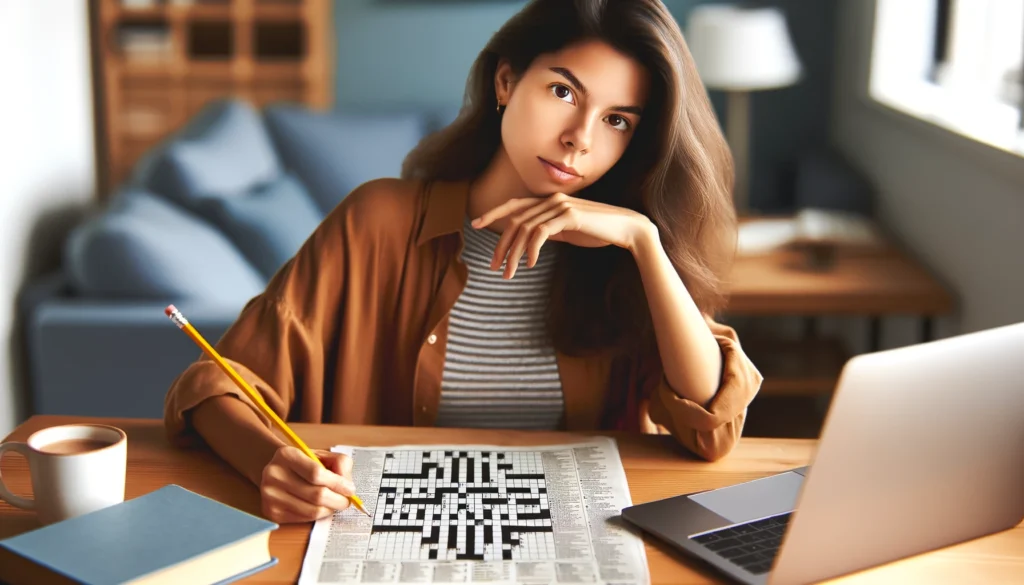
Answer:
[(956, 63)]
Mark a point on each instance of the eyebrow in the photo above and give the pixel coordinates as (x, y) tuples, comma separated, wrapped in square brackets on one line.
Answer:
[(637, 110)]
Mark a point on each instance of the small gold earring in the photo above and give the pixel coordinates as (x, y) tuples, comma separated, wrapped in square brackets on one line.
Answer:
[(498, 108)]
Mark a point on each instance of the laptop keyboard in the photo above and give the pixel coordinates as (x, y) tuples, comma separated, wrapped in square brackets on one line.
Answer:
[(752, 546)]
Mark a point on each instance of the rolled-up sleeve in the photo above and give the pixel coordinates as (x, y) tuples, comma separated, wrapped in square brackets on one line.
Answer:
[(712, 430), (269, 348), (277, 343)]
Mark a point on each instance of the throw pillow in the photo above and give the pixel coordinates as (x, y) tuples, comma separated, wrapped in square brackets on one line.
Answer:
[(230, 152), (333, 153), (145, 248), (268, 224)]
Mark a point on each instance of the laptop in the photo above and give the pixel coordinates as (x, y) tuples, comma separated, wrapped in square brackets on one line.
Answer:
[(921, 448)]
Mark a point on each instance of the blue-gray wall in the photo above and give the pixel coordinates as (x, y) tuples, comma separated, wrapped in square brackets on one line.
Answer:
[(411, 54)]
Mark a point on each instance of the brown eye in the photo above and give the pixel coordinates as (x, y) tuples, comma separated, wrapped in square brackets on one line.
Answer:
[(618, 122), (561, 92)]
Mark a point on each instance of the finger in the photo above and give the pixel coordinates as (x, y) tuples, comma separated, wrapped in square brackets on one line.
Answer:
[(346, 466), (318, 495), (526, 233), (281, 515), (513, 231), (284, 480), (506, 208), (541, 235), (280, 504), (313, 472), (339, 463)]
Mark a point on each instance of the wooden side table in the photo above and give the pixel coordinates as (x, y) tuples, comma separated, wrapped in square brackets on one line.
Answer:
[(872, 283)]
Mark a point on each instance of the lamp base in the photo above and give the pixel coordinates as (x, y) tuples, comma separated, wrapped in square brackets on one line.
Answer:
[(737, 133)]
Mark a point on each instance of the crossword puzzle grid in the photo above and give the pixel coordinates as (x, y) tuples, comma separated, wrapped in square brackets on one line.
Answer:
[(462, 505)]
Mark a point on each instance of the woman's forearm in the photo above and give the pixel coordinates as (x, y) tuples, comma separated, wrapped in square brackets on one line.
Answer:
[(237, 434), (690, 355)]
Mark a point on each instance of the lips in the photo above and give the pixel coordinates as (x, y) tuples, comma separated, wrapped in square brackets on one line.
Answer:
[(560, 172)]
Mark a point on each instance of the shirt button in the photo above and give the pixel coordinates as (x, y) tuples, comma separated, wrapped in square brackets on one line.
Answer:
[(432, 339), (423, 409)]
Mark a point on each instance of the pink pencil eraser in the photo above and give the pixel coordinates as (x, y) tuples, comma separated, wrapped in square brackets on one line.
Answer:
[(169, 310)]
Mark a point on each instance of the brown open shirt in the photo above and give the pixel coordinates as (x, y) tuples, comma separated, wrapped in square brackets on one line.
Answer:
[(353, 330)]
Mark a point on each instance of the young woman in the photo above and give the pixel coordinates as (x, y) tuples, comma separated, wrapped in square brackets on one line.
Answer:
[(551, 260)]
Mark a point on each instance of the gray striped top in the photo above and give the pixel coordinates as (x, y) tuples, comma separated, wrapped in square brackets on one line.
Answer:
[(500, 369)]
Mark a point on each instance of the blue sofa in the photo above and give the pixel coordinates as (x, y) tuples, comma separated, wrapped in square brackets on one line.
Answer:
[(205, 220)]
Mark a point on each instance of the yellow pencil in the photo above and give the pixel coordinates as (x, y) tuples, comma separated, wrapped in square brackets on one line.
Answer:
[(178, 319)]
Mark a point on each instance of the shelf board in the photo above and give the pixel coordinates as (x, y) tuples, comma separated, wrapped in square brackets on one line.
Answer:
[(220, 70), (145, 69), (278, 11), (279, 71), (288, 12), (213, 11)]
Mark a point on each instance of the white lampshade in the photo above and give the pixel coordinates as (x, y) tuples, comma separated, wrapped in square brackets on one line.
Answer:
[(741, 49)]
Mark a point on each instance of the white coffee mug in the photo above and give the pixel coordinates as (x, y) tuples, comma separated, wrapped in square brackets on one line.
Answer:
[(75, 469)]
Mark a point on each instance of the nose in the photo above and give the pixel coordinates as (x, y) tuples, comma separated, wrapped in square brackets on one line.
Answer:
[(579, 136)]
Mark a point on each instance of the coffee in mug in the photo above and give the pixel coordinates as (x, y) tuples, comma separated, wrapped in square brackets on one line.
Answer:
[(72, 446), (75, 469)]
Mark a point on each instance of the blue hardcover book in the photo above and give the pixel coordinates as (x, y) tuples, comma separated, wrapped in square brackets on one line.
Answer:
[(171, 535)]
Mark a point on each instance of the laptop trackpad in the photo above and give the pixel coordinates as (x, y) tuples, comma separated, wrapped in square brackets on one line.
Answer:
[(768, 496)]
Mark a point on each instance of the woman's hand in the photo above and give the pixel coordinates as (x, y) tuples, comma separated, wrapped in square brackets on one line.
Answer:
[(560, 217), (294, 488)]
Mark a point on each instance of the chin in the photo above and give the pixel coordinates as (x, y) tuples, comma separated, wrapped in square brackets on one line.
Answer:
[(540, 184), (543, 186)]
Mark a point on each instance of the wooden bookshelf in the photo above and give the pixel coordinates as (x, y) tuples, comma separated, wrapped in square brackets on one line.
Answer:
[(156, 63)]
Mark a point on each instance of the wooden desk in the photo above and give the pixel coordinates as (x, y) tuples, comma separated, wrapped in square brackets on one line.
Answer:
[(655, 468)]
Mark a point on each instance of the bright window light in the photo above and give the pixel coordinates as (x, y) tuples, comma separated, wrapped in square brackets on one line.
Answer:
[(955, 63)]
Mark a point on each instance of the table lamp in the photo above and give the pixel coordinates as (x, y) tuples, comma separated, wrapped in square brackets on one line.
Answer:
[(740, 50)]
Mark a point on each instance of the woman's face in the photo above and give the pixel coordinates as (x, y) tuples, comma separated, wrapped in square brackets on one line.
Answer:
[(571, 115)]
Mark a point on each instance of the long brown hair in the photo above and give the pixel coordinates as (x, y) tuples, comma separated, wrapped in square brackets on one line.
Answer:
[(677, 169)]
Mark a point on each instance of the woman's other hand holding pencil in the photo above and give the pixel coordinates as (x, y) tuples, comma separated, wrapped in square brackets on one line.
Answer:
[(294, 488)]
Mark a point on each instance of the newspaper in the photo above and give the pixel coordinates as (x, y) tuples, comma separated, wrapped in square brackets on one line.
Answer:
[(481, 514)]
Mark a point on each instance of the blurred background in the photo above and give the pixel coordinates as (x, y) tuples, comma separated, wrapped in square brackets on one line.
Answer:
[(179, 151)]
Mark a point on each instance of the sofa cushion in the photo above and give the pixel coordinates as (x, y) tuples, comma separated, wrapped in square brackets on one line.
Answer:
[(230, 153), (143, 247), (268, 224), (333, 152)]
